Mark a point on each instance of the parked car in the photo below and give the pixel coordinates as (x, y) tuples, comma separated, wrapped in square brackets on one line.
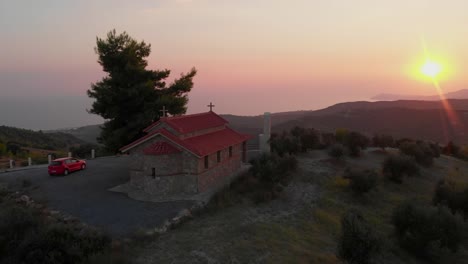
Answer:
[(64, 166)]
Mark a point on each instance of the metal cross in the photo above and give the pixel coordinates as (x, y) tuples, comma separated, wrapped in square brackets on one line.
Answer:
[(211, 105), (164, 111)]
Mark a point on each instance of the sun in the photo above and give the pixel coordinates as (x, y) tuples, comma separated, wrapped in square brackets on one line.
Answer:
[(431, 69)]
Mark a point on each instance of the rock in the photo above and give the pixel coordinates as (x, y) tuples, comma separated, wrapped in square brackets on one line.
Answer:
[(70, 219), (25, 199), (54, 213), (163, 228), (39, 206), (184, 214), (150, 232)]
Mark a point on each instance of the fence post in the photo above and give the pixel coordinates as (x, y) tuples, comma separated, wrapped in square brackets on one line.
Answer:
[(49, 158), (11, 164), (93, 154), (69, 154), (29, 161)]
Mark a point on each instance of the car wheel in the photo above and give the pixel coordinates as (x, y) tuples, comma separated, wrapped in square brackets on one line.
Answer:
[(83, 166), (65, 172)]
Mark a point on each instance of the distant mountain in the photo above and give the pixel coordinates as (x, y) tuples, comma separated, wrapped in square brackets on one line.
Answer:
[(33, 139), (426, 120), (88, 134), (460, 94), (404, 118)]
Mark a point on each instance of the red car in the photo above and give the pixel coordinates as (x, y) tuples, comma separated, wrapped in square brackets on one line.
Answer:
[(64, 166)]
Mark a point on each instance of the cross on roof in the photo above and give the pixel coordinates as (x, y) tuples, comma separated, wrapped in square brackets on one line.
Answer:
[(211, 105), (164, 111)]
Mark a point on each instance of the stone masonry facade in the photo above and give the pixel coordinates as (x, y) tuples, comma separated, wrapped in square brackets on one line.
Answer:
[(175, 160), (181, 173)]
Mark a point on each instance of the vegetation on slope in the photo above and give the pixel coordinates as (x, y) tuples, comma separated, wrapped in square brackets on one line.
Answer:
[(11, 137), (304, 223)]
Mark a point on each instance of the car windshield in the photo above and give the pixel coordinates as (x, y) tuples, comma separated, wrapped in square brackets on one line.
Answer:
[(56, 163)]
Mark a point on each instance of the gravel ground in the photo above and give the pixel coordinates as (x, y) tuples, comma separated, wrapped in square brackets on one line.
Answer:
[(84, 194)]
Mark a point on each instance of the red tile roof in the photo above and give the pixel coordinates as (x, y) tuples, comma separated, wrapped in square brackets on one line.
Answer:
[(189, 123), (200, 145), (212, 142), (160, 148)]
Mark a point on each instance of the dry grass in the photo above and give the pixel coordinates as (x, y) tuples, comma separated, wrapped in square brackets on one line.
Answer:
[(304, 229)]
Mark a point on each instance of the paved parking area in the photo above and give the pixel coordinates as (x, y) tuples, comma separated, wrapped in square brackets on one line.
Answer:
[(84, 194)]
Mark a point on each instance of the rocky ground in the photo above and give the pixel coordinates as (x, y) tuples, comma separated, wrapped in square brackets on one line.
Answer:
[(232, 235), (302, 226)]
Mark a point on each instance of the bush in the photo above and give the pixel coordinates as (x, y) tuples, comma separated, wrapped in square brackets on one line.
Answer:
[(382, 141), (337, 151), (356, 142), (453, 195), (59, 243), (284, 144), (16, 223), (451, 149), (358, 242), (435, 150), (361, 181), (341, 135), (420, 151), (395, 167), (84, 150), (27, 236), (307, 138), (272, 169), (427, 231), (327, 140)]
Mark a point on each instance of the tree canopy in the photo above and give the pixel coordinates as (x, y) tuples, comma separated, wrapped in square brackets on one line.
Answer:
[(130, 96)]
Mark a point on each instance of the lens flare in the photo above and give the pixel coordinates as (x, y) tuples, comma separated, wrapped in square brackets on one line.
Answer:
[(431, 69)]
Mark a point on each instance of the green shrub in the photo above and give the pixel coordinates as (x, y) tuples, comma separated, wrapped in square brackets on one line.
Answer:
[(327, 140), (358, 242), (453, 195), (356, 142), (395, 167), (307, 138), (337, 151), (284, 143), (341, 135), (273, 169), (361, 181), (435, 150), (26, 236), (451, 149), (420, 151), (60, 243), (383, 141), (427, 231), (16, 223)]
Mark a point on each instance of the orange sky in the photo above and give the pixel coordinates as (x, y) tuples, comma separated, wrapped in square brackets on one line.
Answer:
[(297, 54)]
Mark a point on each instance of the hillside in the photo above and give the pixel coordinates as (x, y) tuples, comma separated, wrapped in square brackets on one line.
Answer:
[(432, 124), (460, 94), (88, 134), (415, 119), (303, 225), (405, 118), (39, 140)]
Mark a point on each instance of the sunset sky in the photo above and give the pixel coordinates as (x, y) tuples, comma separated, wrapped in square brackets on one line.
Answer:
[(252, 55)]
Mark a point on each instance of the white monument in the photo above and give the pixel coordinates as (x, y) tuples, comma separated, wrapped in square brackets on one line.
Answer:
[(265, 137)]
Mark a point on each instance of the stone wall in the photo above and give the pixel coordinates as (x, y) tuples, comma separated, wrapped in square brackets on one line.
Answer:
[(180, 173), (174, 173), (218, 172)]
